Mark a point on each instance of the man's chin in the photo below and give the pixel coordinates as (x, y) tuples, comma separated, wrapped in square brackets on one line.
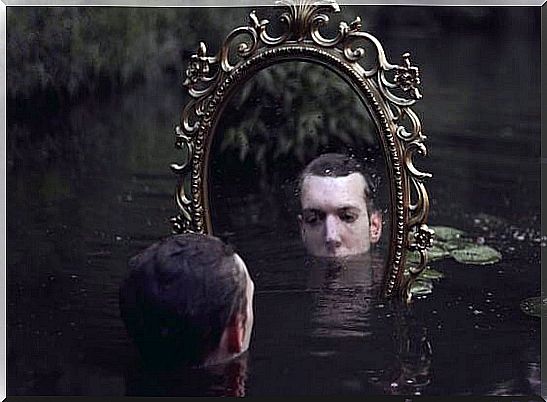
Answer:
[(336, 253), (341, 254)]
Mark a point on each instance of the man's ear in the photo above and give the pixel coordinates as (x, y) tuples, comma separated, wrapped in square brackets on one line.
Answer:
[(375, 227), (235, 334)]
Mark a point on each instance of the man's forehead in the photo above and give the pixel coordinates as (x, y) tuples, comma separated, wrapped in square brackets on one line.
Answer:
[(353, 181), (348, 189)]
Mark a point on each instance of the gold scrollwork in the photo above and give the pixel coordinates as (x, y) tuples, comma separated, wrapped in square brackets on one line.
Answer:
[(390, 91)]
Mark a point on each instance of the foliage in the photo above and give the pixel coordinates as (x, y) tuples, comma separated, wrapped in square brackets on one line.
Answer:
[(74, 49), (476, 254), (295, 111), (450, 242), (65, 49), (421, 287), (446, 233)]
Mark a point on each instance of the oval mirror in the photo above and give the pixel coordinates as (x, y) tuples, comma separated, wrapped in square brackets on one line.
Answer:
[(303, 141)]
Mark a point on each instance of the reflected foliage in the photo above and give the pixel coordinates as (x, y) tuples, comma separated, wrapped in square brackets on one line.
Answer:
[(296, 110)]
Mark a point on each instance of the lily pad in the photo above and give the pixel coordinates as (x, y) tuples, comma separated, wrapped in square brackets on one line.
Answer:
[(476, 254), (436, 252), (433, 254), (430, 273), (421, 287), (446, 233), (533, 306), (454, 244)]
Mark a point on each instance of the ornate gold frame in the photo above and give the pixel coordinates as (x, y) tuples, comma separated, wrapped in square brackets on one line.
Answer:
[(388, 90)]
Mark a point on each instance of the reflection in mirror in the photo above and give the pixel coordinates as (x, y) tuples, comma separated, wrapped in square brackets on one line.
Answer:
[(296, 169)]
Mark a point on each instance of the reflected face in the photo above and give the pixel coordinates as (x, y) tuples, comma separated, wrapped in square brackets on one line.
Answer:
[(335, 220), (249, 293)]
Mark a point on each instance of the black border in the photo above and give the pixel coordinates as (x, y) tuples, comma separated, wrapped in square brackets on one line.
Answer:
[(543, 50)]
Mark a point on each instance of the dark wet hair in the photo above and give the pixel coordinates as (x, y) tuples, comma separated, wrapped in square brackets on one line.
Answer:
[(338, 165), (179, 297)]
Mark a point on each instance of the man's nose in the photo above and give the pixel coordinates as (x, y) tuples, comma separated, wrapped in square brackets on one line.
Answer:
[(332, 232)]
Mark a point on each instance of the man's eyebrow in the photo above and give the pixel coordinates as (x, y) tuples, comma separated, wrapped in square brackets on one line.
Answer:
[(350, 208), (311, 210)]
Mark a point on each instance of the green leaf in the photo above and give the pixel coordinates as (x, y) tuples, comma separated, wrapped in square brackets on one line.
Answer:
[(475, 254), (430, 273), (421, 287), (436, 252), (433, 254), (455, 244), (533, 306), (447, 233)]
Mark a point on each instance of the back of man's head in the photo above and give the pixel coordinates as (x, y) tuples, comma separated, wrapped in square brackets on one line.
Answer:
[(179, 297)]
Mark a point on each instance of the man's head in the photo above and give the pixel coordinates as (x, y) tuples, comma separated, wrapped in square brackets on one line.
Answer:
[(188, 301), (338, 215)]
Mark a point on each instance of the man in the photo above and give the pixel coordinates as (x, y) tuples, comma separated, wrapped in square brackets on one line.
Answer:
[(188, 302), (338, 215)]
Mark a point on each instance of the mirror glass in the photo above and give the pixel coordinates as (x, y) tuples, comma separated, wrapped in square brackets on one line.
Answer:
[(297, 176)]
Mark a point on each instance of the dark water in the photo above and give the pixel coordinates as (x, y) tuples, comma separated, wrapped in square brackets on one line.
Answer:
[(90, 187)]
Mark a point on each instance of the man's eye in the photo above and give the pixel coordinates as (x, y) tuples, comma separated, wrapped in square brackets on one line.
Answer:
[(312, 218), (348, 217)]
